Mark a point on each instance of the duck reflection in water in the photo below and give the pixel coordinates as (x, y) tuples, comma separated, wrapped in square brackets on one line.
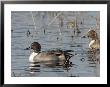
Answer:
[(51, 58)]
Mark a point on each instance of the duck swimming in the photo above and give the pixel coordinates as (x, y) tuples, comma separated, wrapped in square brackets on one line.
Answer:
[(95, 42), (94, 45), (49, 56)]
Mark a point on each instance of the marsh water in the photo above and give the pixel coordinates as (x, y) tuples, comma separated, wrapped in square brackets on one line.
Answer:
[(53, 30)]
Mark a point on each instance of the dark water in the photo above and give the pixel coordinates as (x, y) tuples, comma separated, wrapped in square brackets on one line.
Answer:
[(51, 32)]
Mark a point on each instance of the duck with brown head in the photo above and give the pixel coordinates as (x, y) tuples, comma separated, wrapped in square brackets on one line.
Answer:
[(53, 57), (95, 42), (94, 45), (36, 47)]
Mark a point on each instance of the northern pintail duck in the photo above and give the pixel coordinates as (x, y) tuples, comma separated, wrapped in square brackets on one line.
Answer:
[(52, 56), (94, 45), (95, 42)]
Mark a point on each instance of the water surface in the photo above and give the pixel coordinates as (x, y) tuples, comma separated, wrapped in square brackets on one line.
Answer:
[(52, 33)]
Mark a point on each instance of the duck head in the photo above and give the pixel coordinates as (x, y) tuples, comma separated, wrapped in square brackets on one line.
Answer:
[(36, 47), (92, 34)]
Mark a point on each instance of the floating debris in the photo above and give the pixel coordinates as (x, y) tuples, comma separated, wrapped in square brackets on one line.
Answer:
[(79, 45), (72, 37), (28, 48), (82, 59), (44, 31), (28, 33), (57, 38), (83, 37), (75, 53)]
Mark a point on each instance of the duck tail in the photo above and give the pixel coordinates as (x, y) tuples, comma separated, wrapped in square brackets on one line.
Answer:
[(68, 55)]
